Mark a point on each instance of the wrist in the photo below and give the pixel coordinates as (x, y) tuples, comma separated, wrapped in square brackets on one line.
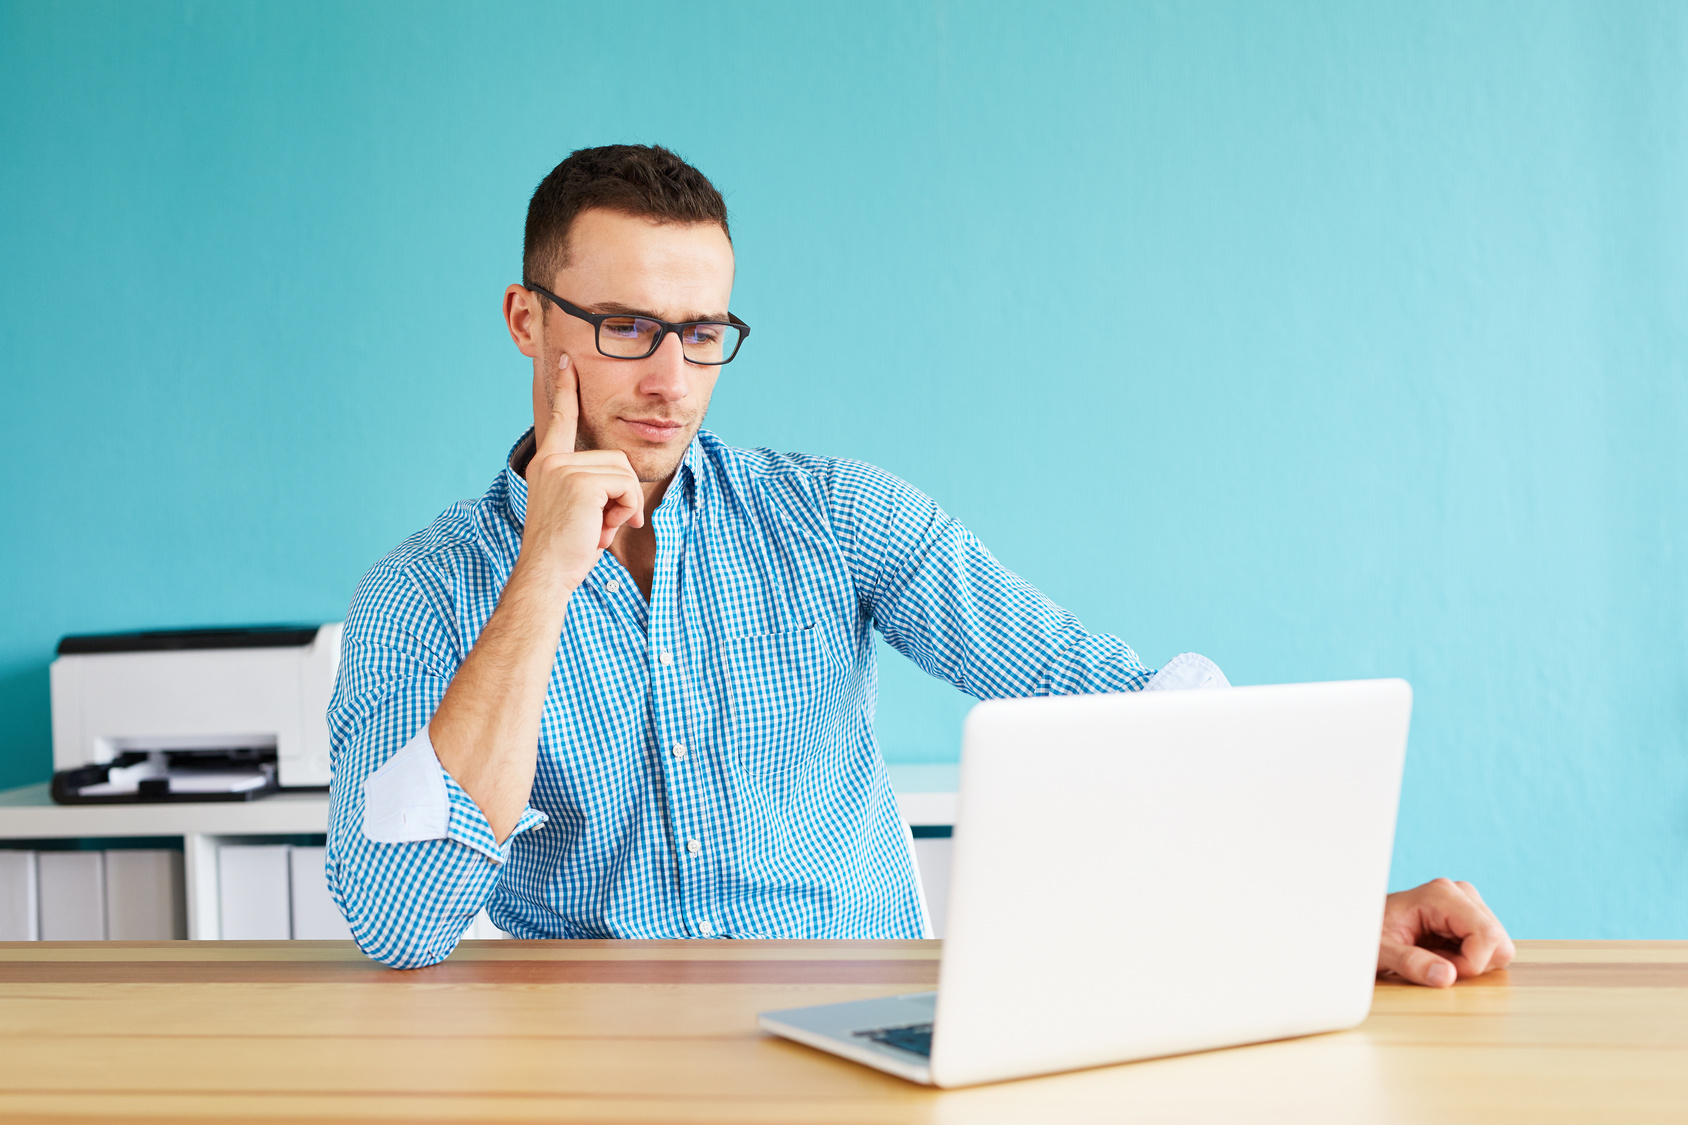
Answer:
[(541, 589)]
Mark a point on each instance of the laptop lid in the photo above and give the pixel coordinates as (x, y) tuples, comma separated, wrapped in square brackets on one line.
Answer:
[(1151, 873)]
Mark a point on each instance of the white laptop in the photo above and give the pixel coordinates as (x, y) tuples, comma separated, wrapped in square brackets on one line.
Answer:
[(1147, 874)]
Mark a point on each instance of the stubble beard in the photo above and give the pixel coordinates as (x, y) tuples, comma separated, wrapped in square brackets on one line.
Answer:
[(650, 465)]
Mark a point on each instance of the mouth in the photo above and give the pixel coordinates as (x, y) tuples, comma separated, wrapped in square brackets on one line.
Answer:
[(657, 430)]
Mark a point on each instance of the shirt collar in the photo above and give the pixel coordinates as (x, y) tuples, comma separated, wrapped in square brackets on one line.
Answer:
[(515, 484)]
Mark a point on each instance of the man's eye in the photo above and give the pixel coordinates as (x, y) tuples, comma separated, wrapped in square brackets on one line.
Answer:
[(703, 334), (624, 329)]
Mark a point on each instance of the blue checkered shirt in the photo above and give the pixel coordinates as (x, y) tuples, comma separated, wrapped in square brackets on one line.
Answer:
[(707, 763)]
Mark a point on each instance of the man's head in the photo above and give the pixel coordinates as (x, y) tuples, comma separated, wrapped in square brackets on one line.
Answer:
[(623, 229)]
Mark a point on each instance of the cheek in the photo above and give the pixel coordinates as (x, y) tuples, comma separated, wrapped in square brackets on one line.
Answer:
[(704, 386), (602, 386)]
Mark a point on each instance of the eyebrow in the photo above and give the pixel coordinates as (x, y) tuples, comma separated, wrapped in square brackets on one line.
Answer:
[(615, 308)]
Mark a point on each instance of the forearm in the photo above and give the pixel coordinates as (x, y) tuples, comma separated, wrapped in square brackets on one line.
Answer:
[(486, 729)]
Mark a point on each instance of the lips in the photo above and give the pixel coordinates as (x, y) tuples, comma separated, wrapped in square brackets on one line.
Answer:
[(655, 429)]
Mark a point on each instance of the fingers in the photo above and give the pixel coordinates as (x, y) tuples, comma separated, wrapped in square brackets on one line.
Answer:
[(565, 410), (1450, 918), (1488, 946), (1420, 966), (1454, 914), (625, 498), (556, 449), (602, 479), (620, 484), (616, 515)]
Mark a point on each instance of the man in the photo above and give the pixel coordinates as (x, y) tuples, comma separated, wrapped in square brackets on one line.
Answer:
[(629, 692)]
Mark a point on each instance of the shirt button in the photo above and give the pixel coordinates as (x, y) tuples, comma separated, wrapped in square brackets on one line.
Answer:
[(706, 927), (666, 658), (694, 846), (613, 585), (679, 751)]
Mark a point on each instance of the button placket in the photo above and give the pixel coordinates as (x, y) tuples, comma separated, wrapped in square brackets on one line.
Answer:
[(669, 691)]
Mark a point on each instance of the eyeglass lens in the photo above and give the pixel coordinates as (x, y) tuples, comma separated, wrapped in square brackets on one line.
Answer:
[(634, 337)]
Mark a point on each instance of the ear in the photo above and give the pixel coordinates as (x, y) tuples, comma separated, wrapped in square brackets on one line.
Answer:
[(522, 317)]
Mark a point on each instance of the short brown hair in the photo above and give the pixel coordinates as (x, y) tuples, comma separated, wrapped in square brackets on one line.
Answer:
[(646, 181)]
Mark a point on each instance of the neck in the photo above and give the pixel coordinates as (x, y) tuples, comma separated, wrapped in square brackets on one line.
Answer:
[(635, 547), (655, 490)]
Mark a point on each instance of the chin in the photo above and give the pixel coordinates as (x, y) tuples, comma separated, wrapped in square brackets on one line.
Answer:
[(651, 465)]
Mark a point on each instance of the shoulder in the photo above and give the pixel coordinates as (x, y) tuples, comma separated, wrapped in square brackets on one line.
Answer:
[(754, 464), (421, 563), (863, 509)]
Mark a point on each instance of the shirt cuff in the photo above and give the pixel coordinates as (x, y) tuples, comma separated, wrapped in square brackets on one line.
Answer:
[(469, 824), (411, 799), (1187, 671)]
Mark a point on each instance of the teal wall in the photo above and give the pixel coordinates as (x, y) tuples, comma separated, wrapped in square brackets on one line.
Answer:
[(1329, 340)]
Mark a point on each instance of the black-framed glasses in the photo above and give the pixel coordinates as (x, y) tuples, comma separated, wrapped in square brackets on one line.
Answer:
[(624, 336)]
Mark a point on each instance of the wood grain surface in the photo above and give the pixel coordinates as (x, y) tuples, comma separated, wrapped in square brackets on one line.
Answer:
[(665, 1032)]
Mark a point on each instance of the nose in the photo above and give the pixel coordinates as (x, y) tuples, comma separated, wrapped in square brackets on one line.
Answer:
[(667, 375)]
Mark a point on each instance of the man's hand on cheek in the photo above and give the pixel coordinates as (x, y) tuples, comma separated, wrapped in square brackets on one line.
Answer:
[(1440, 932), (576, 501)]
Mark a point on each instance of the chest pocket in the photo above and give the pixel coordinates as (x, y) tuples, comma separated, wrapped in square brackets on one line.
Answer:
[(785, 698)]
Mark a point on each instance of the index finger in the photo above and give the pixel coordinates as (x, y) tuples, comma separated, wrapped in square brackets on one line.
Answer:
[(565, 410)]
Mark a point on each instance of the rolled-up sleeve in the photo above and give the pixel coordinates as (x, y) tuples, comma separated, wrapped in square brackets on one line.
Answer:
[(411, 858), (945, 602)]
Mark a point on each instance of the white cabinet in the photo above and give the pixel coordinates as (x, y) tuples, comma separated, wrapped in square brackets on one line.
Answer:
[(284, 892), (29, 814)]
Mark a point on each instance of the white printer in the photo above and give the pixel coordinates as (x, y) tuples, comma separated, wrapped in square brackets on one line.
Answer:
[(192, 714)]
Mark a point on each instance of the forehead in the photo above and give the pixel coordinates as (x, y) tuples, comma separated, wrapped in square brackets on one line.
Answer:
[(671, 269)]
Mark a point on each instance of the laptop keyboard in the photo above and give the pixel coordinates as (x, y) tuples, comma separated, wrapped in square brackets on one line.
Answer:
[(915, 1038)]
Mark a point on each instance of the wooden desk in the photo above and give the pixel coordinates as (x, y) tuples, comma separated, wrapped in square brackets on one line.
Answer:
[(665, 1031)]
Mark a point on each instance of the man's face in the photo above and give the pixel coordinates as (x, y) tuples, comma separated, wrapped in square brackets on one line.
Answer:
[(647, 408)]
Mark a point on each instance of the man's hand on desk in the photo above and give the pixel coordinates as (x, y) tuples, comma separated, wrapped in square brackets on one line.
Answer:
[(1437, 933)]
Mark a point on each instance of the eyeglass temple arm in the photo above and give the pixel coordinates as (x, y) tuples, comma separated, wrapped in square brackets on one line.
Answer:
[(744, 329)]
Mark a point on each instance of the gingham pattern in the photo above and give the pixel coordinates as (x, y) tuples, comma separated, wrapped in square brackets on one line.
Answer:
[(770, 571)]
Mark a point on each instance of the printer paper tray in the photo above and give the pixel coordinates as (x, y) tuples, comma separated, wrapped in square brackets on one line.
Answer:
[(72, 797), (70, 787)]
